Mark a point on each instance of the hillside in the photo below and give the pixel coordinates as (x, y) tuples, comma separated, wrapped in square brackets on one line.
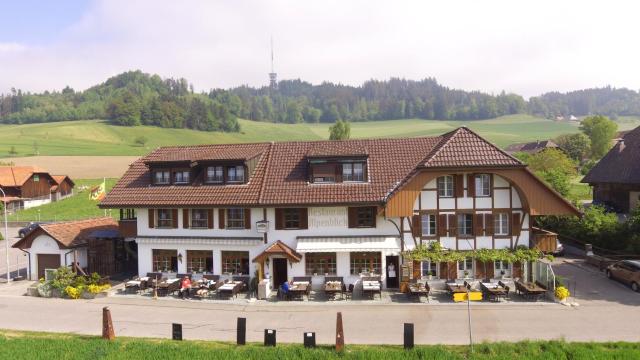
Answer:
[(94, 137)]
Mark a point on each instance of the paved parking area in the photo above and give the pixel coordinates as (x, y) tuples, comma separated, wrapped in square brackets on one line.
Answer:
[(608, 311), (18, 260)]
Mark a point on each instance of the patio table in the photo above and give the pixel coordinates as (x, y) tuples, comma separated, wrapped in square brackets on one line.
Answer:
[(230, 289), (495, 291), (299, 290), (418, 290), (530, 290), (371, 288), (332, 288)]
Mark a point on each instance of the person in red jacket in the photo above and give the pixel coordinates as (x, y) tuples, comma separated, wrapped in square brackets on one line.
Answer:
[(185, 285)]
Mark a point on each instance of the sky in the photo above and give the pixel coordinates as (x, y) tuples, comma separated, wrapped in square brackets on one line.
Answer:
[(527, 47)]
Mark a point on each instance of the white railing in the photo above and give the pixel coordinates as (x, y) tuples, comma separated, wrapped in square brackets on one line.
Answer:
[(542, 272)]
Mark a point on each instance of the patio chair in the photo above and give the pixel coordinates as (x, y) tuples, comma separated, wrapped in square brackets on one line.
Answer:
[(245, 280), (349, 292)]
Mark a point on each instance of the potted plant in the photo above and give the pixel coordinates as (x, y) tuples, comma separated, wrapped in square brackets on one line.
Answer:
[(315, 272), (466, 274), (430, 275), (502, 274)]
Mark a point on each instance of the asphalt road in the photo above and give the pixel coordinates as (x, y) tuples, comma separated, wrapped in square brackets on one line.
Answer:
[(608, 311), (18, 260)]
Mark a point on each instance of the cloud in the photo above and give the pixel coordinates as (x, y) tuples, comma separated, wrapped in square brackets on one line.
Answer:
[(525, 47)]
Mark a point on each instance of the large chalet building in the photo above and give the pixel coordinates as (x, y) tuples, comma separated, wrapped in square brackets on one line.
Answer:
[(317, 208)]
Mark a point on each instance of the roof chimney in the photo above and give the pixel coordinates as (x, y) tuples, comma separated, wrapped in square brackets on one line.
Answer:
[(621, 145)]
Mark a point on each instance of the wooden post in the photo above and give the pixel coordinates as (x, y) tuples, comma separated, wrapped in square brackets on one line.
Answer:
[(339, 333), (107, 324)]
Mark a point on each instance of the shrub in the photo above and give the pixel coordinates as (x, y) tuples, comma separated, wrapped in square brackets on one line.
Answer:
[(94, 279), (72, 292), (95, 289), (62, 278), (562, 293)]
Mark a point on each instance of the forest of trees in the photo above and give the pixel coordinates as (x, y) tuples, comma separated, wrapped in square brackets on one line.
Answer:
[(135, 98)]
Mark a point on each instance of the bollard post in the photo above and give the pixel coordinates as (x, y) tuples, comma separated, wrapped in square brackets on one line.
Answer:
[(176, 331), (107, 324), (269, 337), (339, 333), (309, 340), (241, 336), (408, 336)]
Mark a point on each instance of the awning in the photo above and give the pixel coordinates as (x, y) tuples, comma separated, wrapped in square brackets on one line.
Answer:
[(279, 248), (347, 243)]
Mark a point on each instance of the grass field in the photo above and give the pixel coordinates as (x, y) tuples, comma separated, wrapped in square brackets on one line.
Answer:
[(94, 137), (78, 206), (27, 345)]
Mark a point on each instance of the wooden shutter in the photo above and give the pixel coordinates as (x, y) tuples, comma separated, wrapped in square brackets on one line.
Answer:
[(417, 269), (185, 218), (279, 219), (416, 225), (515, 224), (174, 218), (488, 221), (353, 217), (152, 221), (453, 225), (304, 218), (442, 225), (247, 218), (458, 185), (490, 272), (516, 270), (478, 225), (221, 222), (210, 218), (471, 185)]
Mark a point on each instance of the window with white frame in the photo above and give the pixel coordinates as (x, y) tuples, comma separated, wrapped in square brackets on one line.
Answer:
[(465, 225), (465, 268), (428, 224), (483, 185), (161, 177), (181, 177), (235, 218), (199, 218), (445, 186), (353, 171), (235, 174), (501, 268), (501, 224), (214, 174), (428, 268)]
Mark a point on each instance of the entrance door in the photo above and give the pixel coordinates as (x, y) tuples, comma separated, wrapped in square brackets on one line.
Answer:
[(279, 272), (47, 261), (393, 272)]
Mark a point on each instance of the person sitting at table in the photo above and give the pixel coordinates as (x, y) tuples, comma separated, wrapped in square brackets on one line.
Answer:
[(285, 289), (185, 285), (204, 288)]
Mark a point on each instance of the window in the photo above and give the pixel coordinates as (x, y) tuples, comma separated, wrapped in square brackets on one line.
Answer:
[(465, 268), (36, 178), (199, 218), (428, 224), (483, 185), (235, 262), (365, 262), (165, 218), (445, 186), (320, 263), (181, 177), (501, 224), (199, 261), (161, 177), (428, 268), (366, 216), (235, 173), (465, 224), (214, 174), (165, 260), (291, 218), (353, 171), (323, 173), (128, 214), (501, 268), (235, 218)]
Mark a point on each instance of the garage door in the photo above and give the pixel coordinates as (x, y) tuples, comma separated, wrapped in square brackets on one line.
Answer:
[(47, 261)]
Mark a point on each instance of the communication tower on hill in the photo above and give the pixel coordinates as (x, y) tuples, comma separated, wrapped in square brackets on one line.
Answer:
[(273, 77)]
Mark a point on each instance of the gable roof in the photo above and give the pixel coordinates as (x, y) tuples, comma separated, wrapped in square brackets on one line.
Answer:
[(279, 248), (281, 173), (59, 179), (69, 234), (14, 176), (621, 164), (532, 147)]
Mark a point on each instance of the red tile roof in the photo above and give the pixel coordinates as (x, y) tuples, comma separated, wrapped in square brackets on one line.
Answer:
[(68, 234), (281, 174), (621, 165), (17, 175)]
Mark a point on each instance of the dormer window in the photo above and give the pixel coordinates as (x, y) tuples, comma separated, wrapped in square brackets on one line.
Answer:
[(181, 177), (235, 174), (215, 174), (161, 177), (353, 171), (324, 173)]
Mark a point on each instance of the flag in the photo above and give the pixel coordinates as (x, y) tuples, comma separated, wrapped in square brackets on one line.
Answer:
[(98, 192)]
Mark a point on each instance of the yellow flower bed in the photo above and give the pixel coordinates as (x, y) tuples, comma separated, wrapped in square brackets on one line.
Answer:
[(72, 292), (562, 293), (94, 289)]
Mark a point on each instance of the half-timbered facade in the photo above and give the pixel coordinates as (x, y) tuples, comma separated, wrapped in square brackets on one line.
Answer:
[(326, 208)]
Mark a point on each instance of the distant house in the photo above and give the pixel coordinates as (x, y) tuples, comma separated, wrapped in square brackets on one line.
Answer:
[(616, 177), (68, 244), (62, 188), (532, 147), (30, 186), (573, 118), (559, 118)]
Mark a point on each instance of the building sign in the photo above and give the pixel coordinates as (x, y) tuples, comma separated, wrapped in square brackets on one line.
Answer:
[(262, 226), (327, 217)]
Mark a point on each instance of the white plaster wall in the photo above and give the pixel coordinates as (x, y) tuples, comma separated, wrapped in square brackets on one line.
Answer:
[(502, 243), (515, 198), (501, 198), (465, 244), (447, 203), (429, 199), (484, 242), (34, 203), (499, 181), (448, 242), (483, 202)]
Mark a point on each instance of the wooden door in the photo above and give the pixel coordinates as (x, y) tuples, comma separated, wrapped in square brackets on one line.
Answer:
[(393, 272), (47, 261), (279, 272)]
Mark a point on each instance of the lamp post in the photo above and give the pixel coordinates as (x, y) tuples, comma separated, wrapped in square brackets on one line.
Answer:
[(6, 232)]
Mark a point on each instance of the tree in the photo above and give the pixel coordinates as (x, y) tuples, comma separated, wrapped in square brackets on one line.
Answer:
[(577, 146), (13, 151), (555, 167), (341, 130), (141, 140), (601, 131)]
